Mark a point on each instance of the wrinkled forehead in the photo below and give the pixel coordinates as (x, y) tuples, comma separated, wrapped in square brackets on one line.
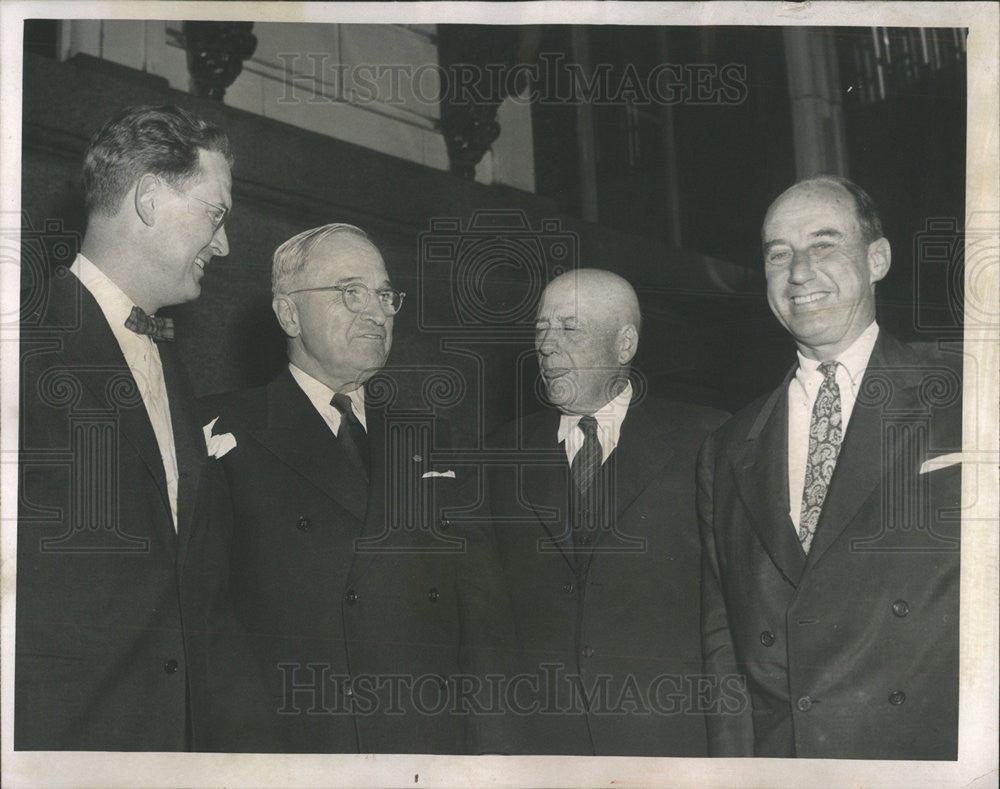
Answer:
[(345, 257)]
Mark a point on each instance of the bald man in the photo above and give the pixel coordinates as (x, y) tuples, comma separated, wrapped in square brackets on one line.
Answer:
[(829, 512), (595, 529)]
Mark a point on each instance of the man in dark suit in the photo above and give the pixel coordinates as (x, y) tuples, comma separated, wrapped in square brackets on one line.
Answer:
[(343, 572), (829, 514), (111, 451), (595, 531)]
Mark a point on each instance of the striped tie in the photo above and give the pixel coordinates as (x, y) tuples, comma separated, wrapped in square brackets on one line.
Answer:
[(588, 459)]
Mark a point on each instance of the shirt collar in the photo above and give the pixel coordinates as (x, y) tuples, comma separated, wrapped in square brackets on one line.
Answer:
[(320, 394), (854, 359), (112, 300), (611, 415)]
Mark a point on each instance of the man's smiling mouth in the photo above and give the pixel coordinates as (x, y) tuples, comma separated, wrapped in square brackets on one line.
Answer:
[(798, 301)]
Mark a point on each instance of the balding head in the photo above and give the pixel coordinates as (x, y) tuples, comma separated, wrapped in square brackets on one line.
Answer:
[(586, 333)]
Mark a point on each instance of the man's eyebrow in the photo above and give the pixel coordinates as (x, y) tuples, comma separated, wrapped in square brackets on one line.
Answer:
[(557, 319), (823, 232), (826, 232)]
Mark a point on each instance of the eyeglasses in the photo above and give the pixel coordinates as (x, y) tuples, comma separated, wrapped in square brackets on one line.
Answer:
[(356, 296), (218, 213)]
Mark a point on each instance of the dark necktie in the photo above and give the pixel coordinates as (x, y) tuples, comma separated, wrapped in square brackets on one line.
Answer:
[(588, 459), (160, 329), (825, 435), (352, 436)]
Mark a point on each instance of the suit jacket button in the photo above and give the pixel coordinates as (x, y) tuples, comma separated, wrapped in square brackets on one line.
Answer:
[(433, 595), (587, 651), (767, 638), (351, 597), (897, 697), (303, 523), (171, 667), (900, 608), (805, 703), (568, 588)]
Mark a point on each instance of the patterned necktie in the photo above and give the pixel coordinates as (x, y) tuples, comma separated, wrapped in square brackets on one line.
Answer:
[(351, 436), (587, 460), (160, 329), (825, 434)]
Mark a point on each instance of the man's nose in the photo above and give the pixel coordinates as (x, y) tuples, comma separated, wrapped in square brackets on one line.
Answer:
[(800, 270), (544, 343), (220, 242), (373, 309)]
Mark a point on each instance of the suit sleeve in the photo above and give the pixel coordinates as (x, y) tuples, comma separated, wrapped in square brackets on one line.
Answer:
[(231, 709), (729, 721), (488, 638)]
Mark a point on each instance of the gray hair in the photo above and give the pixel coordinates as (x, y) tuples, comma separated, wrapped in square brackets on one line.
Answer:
[(290, 258)]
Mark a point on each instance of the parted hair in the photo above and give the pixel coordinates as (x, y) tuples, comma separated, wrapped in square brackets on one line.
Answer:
[(164, 141), (290, 258)]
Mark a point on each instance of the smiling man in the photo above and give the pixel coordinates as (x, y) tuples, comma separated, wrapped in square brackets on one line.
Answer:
[(595, 529), (829, 513), (112, 451), (356, 637)]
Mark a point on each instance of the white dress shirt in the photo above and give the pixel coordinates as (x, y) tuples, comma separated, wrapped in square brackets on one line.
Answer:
[(143, 360), (320, 395), (802, 392), (609, 426)]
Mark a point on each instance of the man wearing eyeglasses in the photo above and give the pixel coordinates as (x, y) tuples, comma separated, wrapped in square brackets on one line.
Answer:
[(357, 637), (111, 451)]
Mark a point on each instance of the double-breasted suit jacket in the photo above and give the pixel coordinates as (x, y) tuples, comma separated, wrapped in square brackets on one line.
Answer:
[(616, 620), (851, 651), (345, 587), (107, 649)]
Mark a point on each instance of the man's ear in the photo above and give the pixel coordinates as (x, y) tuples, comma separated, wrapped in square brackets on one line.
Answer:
[(287, 314), (145, 198), (879, 259), (627, 343)]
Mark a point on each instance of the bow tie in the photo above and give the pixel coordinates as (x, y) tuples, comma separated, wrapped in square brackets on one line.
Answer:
[(160, 329)]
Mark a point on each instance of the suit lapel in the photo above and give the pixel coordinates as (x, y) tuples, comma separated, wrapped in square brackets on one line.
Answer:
[(299, 436), (189, 441), (859, 466), (101, 373), (761, 470), (545, 483), (639, 458), (375, 521)]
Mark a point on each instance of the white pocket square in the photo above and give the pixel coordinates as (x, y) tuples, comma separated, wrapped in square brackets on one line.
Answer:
[(218, 445), (941, 461), (448, 474)]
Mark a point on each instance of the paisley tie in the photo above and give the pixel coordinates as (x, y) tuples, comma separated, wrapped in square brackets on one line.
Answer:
[(825, 435)]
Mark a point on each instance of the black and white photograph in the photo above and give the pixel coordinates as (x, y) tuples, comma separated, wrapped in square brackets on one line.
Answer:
[(503, 394)]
